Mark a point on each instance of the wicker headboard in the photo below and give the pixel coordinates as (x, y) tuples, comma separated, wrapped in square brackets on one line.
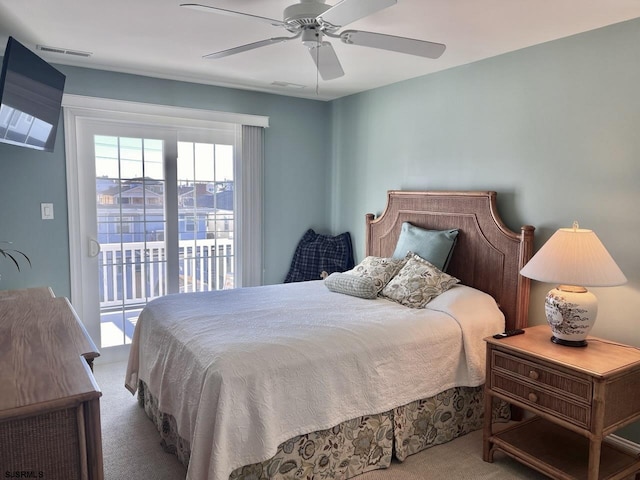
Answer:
[(487, 256)]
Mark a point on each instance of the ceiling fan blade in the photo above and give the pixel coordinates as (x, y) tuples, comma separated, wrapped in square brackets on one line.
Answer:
[(410, 46), (232, 13), (326, 61), (249, 46), (348, 11)]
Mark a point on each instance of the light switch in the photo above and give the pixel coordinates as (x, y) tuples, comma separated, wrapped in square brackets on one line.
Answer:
[(47, 211)]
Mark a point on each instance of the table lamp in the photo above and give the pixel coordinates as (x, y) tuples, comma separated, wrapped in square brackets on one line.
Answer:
[(573, 258)]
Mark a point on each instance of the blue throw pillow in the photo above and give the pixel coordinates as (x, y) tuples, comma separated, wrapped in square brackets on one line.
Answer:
[(435, 246)]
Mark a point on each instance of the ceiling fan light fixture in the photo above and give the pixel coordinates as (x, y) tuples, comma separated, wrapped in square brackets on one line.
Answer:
[(311, 37)]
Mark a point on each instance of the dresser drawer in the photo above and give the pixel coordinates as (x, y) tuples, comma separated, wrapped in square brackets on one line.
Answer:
[(559, 406), (543, 377)]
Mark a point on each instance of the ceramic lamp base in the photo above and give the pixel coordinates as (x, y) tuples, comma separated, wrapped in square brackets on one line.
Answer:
[(571, 312)]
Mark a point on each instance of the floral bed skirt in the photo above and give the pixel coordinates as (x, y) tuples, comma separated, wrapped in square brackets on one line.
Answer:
[(355, 446)]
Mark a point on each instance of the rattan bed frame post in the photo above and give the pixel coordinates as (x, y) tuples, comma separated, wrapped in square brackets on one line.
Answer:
[(487, 256)]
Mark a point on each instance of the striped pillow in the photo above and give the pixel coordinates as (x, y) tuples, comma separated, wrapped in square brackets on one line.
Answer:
[(351, 285)]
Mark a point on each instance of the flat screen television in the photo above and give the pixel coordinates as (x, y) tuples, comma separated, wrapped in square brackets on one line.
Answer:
[(30, 98)]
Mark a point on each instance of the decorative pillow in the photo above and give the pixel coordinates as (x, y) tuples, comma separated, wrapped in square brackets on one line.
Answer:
[(417, 283), (435, 246), (379, 269), (362, 287)]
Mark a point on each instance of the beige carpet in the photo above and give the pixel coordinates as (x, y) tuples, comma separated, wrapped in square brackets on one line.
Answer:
[(132, 449)]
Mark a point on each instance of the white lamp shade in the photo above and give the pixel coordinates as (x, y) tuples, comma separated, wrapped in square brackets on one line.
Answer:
[(574, 256)]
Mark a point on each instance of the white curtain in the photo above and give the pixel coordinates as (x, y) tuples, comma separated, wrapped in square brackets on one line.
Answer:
[(249, 202)]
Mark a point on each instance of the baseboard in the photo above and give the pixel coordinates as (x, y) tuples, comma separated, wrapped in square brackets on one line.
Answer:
[(624, 444)]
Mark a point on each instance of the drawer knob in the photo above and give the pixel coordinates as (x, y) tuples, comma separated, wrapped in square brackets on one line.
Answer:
[(533, 397), (534, 375)]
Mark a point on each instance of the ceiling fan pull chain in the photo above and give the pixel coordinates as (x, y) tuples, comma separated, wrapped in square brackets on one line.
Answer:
[(317, 72)]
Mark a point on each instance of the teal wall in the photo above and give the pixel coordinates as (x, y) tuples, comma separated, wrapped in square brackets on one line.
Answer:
[(554, 129), (297, 168)]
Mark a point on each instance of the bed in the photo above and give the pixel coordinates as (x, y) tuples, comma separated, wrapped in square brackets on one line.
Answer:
[(296, 381)]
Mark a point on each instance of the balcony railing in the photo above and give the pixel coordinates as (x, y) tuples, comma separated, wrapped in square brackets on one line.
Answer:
[(133, 273)]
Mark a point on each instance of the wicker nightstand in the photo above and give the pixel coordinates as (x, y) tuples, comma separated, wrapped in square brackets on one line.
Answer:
[(577, 396)]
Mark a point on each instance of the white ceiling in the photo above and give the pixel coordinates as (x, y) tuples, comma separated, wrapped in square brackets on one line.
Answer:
[(161, 39)]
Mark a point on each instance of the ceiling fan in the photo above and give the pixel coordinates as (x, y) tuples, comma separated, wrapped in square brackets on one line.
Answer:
[(312, 20)]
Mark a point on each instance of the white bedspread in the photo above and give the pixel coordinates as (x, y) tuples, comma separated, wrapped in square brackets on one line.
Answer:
[(244, 370)]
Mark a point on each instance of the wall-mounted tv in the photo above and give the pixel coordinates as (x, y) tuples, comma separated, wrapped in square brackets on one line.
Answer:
[(30, 98)]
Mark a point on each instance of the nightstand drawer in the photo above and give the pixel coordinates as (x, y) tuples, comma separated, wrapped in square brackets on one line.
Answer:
[(559, 406), (571, 399), (557, 381)]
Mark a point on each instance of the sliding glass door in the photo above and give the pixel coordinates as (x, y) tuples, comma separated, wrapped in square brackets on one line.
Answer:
[(161, 200), (131, 226), (159, 216)]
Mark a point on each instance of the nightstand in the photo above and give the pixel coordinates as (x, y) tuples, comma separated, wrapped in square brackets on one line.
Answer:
[(572, 399)]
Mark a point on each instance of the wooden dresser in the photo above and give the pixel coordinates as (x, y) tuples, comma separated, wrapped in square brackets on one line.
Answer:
[(572, 397), (49, 400)]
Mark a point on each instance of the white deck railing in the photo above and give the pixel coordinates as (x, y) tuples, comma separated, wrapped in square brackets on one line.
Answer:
[(134, 273)]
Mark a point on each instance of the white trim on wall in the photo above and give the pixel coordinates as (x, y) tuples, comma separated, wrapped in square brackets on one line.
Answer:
[(190, 117), (624, 444)]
